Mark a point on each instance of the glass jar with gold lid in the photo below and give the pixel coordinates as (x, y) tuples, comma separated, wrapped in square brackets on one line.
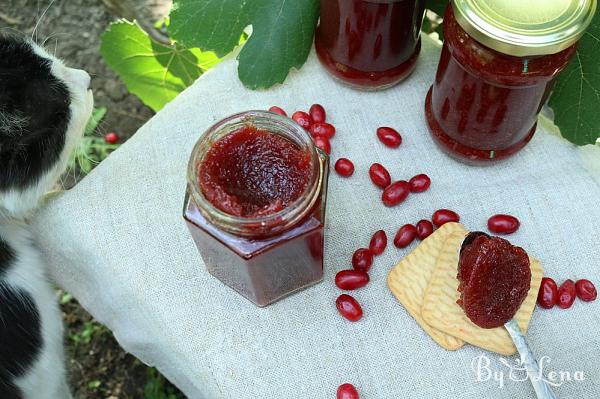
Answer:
[(498, 66)]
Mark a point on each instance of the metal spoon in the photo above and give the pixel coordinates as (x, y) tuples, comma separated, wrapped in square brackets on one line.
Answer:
[(541, 387)]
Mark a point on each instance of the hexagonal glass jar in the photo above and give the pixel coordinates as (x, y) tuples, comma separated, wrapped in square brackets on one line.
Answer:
[(269, 257)]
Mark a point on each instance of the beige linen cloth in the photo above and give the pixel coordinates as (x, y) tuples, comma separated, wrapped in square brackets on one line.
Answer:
[(118, 242)]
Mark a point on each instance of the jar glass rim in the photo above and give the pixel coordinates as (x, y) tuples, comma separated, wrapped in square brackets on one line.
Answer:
[(267, 224)]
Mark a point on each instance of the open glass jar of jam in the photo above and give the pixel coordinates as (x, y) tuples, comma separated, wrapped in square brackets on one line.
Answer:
[(255, 205), (370, 44), (497, 69)]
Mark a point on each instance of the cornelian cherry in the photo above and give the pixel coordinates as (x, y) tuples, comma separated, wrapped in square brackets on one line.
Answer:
[(503, 224), (586, 290), (379, 175), (349, 307), (303, 119), (443, 216), (395, 193), (277, 110), (347, 391), (322, 129), (378, 242), (419, 183), (344, 167), (405, 236), (111, 138), (351, 279), (322, 143), (389, 137), (317, 113), (362, 259), (566, 294), (424, 229), (548, 293)]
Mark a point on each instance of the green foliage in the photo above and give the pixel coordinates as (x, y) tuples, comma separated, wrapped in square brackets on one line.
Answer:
[(89, 330), (154, 72), (92, 149), (576, 96), (157, 388), (282, 33)]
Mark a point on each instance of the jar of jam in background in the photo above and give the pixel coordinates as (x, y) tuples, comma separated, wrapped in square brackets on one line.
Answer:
[(255, 205), (370, 44), (497, 69)]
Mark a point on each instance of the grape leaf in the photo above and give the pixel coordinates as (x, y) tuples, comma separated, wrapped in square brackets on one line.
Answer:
[(282, 33), (576, 97), (153, 72)]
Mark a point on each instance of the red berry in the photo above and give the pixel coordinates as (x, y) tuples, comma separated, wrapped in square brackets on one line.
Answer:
[(503, 224), (349, 307), (424, 229), (379, 175), (322, 143), (322, 129), (317, 113), (347, 391), (378, 242), (443, 216), (351, 279), (303, 119), (344, 167), (405, 236), (277, 110), (586, 290), (390, 137), (419, 183), (362, 259), (395, 193), (566, 294), (111, 138), (548, 293)]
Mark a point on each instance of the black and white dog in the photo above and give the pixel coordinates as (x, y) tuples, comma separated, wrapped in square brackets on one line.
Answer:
[(44, 107)]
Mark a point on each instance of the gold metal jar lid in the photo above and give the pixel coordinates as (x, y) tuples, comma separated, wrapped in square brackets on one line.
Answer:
[(525, 27)]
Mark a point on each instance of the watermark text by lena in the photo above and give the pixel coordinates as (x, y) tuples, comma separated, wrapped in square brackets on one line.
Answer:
[(514, 370)]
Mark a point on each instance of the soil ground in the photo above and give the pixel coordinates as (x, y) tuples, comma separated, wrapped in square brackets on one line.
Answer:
[(71, 29)]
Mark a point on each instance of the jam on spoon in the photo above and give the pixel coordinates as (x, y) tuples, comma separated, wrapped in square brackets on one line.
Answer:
[(494, 280), (494, 277)]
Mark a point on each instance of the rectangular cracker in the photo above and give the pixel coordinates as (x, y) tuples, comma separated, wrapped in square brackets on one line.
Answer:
[(441, 311), (409, 279)]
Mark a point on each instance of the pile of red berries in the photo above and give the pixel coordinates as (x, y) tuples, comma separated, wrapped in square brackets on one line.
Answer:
[(564, 296), (314, 121)]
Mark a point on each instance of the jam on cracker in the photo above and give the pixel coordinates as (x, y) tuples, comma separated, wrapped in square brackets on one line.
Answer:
[(494, 276)]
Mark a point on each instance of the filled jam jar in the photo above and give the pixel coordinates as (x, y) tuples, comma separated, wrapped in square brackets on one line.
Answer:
[(369, 44), (255, 205), (498, 67)]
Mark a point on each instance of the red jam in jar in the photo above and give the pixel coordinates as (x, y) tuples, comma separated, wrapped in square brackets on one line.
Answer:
[(252, 173), (370, 44), (484, 103), (255, 205)]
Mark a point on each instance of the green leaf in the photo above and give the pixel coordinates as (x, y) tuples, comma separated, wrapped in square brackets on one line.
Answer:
[(153, 72), (282, 33), (576, 96)]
